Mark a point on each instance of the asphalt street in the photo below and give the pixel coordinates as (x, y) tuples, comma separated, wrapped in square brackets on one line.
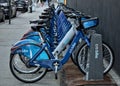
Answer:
[(11, 33)]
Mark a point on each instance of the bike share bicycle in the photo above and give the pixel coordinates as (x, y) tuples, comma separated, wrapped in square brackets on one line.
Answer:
[(79, 55), (49, 59), (20, 43)]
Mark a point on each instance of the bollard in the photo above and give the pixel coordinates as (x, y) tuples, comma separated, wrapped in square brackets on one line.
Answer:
[(95, 63)]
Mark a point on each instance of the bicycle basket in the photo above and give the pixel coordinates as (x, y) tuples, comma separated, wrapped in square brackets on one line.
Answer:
[(89, 23)]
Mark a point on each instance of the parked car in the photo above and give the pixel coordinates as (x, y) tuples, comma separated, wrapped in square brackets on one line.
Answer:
[(22, 5), (2, 15), (5, 4)]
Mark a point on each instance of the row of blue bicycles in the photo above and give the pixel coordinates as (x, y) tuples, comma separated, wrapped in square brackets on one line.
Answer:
[(60, 33)]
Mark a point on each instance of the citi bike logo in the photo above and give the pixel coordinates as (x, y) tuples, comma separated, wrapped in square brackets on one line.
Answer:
[(72, 47), (22, 51), (96, 51)]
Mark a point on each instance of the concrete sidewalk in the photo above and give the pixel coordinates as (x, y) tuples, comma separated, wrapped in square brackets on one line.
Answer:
[(9, 34)]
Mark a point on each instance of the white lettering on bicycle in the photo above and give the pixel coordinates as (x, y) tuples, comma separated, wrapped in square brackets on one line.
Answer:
[(96, 51), (72, 47)]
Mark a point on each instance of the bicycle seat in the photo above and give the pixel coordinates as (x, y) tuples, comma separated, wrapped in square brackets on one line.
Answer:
[(45, 13), (67, 12), (41, 21), (48, 10), (44, 16), (71, 16), (38, 27)]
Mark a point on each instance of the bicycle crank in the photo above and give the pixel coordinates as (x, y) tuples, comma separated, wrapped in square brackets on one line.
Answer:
[(56, 69)]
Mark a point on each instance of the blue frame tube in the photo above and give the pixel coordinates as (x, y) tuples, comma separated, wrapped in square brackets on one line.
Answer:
[(40, 51), (49, 63), (72, 46), (37, 54)]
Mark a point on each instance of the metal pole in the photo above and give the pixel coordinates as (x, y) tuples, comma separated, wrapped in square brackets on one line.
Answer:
[(9, 11), (30, 6)]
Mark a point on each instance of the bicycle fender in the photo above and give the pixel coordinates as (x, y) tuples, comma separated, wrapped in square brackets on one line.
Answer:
[(21, 44), (29, 48), (33, 37), (31, 33)]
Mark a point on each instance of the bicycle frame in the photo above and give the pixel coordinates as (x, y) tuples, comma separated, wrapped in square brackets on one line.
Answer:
[(50, 63), (72, 37)]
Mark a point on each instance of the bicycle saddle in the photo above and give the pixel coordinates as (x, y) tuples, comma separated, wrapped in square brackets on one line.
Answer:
[(45, 13), (44, 16), (38, 27), (48, 10), (41, 21), (67, 12), (71, 16)]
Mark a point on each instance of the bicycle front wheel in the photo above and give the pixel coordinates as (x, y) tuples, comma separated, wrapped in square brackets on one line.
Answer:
[(83, 57), (24, 73)]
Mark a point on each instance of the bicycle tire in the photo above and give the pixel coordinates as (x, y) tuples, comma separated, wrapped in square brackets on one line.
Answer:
[(74, 53), (24, 60), (106, 49), (39, 74)]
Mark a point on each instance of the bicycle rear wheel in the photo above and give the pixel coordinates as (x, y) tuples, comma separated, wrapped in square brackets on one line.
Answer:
[(82, 58), (24, 73)]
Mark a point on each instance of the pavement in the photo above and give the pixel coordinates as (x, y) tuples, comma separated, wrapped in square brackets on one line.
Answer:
[(11, 33), (72, 76)]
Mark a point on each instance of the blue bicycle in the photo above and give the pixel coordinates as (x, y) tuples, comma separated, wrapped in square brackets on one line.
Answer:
[(38, 57), (47, 59)]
